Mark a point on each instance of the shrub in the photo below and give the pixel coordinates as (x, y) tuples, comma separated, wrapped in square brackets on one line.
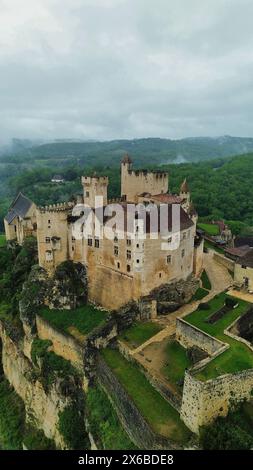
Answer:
[(35, 439), (39, 349), (204, 306), (229, 302), (72, 427), (12, 418), (104, 422)]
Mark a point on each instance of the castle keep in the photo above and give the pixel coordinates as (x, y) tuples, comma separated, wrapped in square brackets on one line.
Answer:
[(126, 267)]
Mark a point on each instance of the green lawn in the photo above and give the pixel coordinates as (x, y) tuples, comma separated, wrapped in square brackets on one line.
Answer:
[(161, 416), (210, 229), (200, 294), (139, 333), (205, 281), (84, 319), (176, 363), (2, 240), (238, 357)]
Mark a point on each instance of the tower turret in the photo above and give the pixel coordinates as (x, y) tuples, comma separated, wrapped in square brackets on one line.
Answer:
[(185, 195), (94, 186)]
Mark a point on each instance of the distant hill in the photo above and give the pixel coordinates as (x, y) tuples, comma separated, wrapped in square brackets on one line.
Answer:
[(153, 151)]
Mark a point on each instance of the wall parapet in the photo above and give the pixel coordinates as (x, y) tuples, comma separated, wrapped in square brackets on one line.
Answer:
[(189, 335), (204, 401), (130, 417), (63, 344), (226, 262)]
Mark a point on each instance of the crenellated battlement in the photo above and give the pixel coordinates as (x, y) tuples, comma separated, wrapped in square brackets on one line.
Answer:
[(61, 207)]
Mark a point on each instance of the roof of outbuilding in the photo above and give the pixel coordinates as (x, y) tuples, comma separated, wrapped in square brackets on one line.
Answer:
[(19, 208), (246, 260)]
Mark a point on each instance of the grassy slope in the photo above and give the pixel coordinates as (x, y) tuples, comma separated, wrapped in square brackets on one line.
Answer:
[(238, 357), (84, 318), (210, 229), (2, 240), (176, 363), (139, 333), (206, 284), (161, 416)]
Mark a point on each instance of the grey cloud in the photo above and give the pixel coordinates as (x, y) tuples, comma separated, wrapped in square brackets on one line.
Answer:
[(125, 68)]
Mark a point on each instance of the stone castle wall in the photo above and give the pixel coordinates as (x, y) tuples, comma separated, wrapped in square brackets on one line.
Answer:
[(188, 336), (133, 422), (137, 182), (228, 263), (63, 344), (204, 401)]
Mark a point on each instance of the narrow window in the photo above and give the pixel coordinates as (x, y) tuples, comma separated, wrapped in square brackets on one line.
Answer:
[(128, 268), (89, 241), (47, 239), (183, 253), (96, 243), (169, 259), (116, 250), (129, 254)]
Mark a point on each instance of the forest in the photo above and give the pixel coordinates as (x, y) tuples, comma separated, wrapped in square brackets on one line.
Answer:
[(221, 188)]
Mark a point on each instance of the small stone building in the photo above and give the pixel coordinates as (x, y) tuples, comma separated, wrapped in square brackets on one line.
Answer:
[(20, 222), (243, 275)]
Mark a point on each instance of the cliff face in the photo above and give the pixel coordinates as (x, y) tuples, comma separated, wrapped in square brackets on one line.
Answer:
[(42, 405)]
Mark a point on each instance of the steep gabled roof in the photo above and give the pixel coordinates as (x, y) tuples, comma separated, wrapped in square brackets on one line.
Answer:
[(184, 187), (126, 159), (19, 208)]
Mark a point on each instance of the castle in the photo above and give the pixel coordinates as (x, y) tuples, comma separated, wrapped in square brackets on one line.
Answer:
[(125, 267)]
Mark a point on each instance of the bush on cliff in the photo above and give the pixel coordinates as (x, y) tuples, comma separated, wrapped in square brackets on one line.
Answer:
[(235, 432), (103, 421), (12, 418), (35, 439), (72, 427)]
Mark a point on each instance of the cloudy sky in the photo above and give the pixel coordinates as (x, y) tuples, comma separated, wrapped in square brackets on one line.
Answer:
[(104, 69)]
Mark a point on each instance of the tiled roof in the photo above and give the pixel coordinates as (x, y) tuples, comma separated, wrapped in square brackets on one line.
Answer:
[(167, 198), (246, 260)]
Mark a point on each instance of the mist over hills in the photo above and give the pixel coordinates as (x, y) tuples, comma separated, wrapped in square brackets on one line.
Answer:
[(146, 151)]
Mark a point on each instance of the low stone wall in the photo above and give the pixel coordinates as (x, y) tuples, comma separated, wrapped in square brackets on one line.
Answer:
[(226, 262), (232, 332), (133, 422), (160, 385), (63, 344), (188, 336), (204, 401)]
